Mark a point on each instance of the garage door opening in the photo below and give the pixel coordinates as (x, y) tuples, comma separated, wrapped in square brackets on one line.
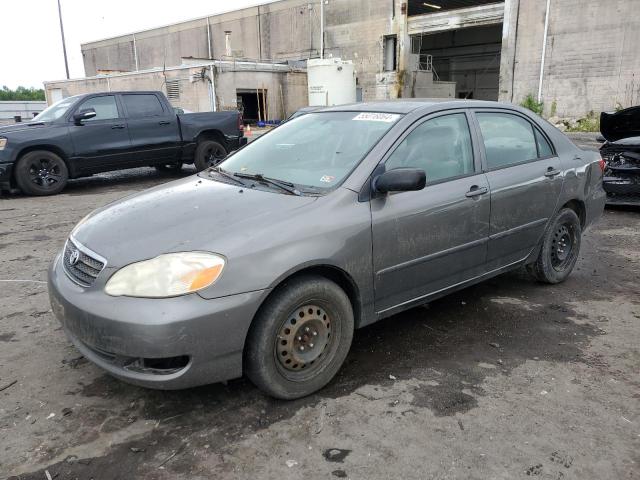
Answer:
[(252, 105), (468, 56)]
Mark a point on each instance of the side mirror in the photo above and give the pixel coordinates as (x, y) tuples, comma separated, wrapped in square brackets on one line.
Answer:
[(400, 180), (83, 115), (600, 139)]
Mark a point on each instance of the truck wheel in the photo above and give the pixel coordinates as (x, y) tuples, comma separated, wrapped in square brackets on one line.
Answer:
[(560, 248), (208, 154), (41, 173), (169, 167), (300, 338)]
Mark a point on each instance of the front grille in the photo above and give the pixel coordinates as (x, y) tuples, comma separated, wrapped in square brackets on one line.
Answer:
[(85, 268)]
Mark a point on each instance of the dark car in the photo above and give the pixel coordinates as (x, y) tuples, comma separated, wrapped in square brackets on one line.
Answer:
[(86, 134), (330, 222), (621, 153)]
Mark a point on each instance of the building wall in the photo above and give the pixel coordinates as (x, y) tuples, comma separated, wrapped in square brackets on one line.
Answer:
[(284, 30), (286, 90), (592, 61)]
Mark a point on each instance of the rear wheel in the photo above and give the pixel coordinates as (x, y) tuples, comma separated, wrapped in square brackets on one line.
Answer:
[(560, 248), (300, 338), (208, 154), (41, 173)]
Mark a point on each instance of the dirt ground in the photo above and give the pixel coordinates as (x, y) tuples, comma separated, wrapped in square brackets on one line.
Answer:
[(507, 379)]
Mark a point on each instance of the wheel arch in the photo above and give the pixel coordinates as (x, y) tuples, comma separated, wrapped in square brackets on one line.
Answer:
[(333, 273), (579, 207), (46, 147), (212, 134)]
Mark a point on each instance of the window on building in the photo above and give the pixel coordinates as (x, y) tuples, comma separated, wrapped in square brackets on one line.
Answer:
[(142, 105), (173, 89), (508, 139), (441, 147), (105, 107), (389, 53)]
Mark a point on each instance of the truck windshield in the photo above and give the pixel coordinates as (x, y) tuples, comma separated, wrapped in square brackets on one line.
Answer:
[(56, 110), (316, 150)]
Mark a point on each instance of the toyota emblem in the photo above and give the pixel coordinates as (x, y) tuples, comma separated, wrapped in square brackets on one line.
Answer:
[(74, 257)]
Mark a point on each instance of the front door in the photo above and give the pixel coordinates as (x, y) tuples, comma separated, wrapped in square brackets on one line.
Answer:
[(101, 142), (429, 240), (154, 131), (525, 178)]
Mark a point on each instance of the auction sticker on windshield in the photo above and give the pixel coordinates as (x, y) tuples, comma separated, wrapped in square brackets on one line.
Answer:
[(377, 117)]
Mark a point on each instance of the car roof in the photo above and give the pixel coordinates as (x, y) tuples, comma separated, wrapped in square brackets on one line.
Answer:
[(409, 105)]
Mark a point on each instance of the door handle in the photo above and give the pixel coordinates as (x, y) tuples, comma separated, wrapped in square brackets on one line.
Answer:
[(117, 127), (164, 122), (551, 172), (475, 191)]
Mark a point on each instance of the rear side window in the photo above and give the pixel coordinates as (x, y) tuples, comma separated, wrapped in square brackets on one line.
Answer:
[(508, 139), (141, 105), (105, 107), (440, 146), (544, 149)]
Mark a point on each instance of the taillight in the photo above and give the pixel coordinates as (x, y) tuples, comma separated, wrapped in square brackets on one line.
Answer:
[(240, 123), (602, 164)]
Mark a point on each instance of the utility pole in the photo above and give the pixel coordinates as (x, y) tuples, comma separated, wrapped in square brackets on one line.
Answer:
[(64, 47), (321, 28)]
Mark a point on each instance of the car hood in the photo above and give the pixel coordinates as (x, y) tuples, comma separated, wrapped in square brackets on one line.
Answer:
[(19, 127), (622, 124), (186, 215)]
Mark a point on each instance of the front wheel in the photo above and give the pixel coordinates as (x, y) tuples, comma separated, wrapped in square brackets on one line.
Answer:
[(41, 173), (300, 338), (208, 154), (560, 248)]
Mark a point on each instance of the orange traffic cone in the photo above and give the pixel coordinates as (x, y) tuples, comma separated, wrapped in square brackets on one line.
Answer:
[(247, 131)]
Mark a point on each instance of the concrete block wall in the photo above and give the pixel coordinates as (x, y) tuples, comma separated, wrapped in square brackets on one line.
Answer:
[(592, 61)]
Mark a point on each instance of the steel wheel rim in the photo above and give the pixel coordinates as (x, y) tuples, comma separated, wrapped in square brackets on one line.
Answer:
[(44, 172), (214, 154), (303, 341), (562, 247)]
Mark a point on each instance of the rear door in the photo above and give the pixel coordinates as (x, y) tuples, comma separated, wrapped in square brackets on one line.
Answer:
[(153, 128), (429, 240), (101, 142), (525, 178)]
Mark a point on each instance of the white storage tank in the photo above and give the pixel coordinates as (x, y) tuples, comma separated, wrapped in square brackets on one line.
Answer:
[(331, 81)]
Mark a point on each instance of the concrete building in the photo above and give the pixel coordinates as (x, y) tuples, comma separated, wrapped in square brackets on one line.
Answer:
[(574, 55), (25, 109)]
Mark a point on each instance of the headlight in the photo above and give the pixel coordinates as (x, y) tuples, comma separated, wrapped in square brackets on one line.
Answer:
[(3, 143), (167, 275)]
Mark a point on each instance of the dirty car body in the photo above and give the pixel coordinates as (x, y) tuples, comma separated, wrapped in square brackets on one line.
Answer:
[(388, 248), (621, 152)]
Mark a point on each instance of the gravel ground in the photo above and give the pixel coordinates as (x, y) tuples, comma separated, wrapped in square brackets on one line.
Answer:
[(507, 379)]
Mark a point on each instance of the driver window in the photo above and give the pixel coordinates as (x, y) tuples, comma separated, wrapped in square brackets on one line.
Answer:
[(105, 107), (440, 146)]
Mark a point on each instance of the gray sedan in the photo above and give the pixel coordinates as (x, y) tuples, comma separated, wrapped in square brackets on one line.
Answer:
[(265, 264)]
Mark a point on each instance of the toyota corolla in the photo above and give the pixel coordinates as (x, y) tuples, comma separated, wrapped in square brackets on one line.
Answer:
[(266, 263)]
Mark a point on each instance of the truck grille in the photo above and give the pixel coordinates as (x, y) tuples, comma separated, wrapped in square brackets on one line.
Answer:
[(81, 265)]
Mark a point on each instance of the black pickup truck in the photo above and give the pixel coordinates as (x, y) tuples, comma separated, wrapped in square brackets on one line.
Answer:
[(86, 134)]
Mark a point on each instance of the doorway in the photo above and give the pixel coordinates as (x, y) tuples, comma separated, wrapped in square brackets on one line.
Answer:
[(468, 56), (253, 105)]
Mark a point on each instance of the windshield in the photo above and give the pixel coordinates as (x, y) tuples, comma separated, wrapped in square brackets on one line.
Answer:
[(316, 150), (55, 111)]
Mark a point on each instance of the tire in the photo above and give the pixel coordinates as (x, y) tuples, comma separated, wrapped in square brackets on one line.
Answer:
[(208, 154), (169, 167), (560, 248), (274, 359), (41, 173)]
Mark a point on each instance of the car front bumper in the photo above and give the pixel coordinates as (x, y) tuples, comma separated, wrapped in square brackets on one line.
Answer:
[(622, 190), (168, 343), (5, 176)]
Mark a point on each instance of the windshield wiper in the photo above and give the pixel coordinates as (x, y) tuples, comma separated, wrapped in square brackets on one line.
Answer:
[(225, 174), (286, 186)]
